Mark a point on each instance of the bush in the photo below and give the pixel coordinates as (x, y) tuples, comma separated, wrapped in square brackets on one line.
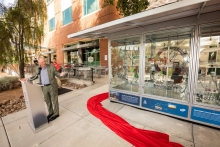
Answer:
[(9, 82)]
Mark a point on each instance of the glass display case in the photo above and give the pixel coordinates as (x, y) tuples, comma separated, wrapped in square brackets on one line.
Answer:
[(125, 64), (167, 57), (174, 72)]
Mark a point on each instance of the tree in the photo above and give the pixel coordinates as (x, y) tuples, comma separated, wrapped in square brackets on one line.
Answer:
[(5, 49), (23, 25), (128, 7)]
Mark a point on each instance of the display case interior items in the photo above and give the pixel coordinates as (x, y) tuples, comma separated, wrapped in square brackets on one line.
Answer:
[(167, 56), (208, 84), (125, 64)]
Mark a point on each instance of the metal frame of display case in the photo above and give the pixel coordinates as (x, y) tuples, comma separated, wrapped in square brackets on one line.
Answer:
[(181, 14)]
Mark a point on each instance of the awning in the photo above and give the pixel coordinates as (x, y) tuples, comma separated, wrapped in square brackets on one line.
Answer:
[(39, 47), (78, 46), (171, 11), (49, 52)]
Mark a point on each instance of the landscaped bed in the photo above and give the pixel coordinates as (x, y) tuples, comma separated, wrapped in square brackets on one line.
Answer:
[(11, 94)]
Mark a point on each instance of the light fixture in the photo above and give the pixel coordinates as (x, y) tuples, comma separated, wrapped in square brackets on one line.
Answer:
[(185, 57)]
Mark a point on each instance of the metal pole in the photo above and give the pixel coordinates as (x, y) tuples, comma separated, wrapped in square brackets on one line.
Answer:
[(92, 75), (168, 58)]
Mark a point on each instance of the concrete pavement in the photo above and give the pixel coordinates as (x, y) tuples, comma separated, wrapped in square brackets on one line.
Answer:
[(76, 127)]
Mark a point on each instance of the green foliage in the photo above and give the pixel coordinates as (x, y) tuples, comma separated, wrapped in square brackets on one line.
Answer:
[(5, 50), (108, 2), (22, 26), (9, 82), (128, 7)]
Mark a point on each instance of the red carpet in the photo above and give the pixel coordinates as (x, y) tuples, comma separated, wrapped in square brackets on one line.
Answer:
[(137, 137)]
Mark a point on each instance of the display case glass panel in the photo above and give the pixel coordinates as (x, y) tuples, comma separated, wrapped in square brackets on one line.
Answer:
[(167, 57), (125, 64), (208, 83)]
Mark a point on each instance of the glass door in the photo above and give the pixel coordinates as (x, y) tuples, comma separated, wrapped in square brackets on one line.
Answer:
[(166, 67)]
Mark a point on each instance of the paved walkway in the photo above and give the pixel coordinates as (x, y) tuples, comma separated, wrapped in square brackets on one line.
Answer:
[(76, 127)]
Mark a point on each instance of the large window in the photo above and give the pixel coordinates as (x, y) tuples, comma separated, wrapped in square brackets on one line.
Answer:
[(72, 56), (52, 24), (208, 84), (90, 6), (167, 63), (67, 16), (91, 52), (125, 64)]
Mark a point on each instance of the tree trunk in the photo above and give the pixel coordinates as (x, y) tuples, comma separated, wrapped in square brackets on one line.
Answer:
[(21, 69)]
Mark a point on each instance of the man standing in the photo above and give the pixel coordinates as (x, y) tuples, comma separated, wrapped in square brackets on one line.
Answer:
[(46, 74)]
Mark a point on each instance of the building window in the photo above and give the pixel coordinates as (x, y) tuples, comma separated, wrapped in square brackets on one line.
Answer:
[(67, 16), (90, 6), (48, 1), (91, 52), (51, 16), (72, 56), (52, 24)]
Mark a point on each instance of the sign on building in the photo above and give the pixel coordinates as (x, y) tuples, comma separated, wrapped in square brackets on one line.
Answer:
[(90, 59)]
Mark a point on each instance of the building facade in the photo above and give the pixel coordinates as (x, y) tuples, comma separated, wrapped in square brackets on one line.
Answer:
[(66, 17)]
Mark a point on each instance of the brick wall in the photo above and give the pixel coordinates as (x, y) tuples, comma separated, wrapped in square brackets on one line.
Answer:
[(103, 51), (58, 38)]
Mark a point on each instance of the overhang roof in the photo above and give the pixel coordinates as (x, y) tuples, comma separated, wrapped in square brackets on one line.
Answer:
[(92, 44), (49, 52), (171, 11)]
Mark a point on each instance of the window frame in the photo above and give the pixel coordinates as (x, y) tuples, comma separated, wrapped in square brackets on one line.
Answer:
[(83, 8), (70, 7), (50, 29)]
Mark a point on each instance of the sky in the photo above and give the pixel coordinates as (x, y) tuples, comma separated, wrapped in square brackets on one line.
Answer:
[(8, 2)]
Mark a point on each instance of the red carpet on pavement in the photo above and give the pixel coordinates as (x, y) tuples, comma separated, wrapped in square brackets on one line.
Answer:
[(137, 137)]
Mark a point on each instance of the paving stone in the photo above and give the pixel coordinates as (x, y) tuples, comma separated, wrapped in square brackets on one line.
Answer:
[(3, 138), (206, 136), (86, 134)]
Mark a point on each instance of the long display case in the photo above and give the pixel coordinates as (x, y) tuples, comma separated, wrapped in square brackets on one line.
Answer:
[(174, 72)]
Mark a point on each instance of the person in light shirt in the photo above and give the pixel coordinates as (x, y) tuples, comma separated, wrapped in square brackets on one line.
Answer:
[(46, 74)]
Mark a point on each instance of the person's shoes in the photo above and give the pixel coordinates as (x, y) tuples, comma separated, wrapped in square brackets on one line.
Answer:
[(53, 117), (48, 116)]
